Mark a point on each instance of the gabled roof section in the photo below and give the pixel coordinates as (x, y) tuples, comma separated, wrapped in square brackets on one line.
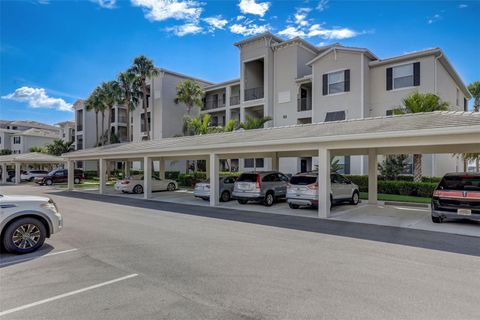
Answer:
[(31, 157), (367, 52), (265, 35), (181, 75), (297, 40), (222, 84)]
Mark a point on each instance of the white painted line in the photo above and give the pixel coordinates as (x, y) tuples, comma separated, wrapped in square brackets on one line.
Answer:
[(412, 209), (64, 295), (37, 257)]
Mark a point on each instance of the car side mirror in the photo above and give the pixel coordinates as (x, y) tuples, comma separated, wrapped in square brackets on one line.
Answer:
[(348, 182)]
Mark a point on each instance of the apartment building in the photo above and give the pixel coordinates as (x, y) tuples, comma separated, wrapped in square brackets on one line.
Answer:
[(295, 82), (67, 130)]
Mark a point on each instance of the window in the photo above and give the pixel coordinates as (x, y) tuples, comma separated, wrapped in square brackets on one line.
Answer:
[(404, 76), (304, 120), (17, 140), (336, 82), (142, 121), (282, 177), (248, 163), (465, 104), (335, 116), (259, 163), (390, 113), (270, 178)]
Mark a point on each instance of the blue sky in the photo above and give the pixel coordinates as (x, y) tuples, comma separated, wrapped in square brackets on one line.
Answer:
[(53, 52)]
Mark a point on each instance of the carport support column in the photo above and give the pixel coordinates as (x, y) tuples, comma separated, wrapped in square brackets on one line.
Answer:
[(4, 173), (323, 183), (372, 176), (71, 170), (275, 162), (147, 177), (161, 168), (102, 175), (17, 173), (214, 177)]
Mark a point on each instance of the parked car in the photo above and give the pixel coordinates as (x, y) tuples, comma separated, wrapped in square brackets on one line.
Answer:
[(134, 184), (25, 222), (226, 184), (264, 186), (59, 176), (303, 190), (30, 175), (457, 196), (10, 175)]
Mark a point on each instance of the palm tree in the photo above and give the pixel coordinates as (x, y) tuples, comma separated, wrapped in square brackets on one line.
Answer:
[(130, 92), (93, 103), (191, 94), (474, 157), (421, 102), (474, 89), (59, 147), (254, 123), (110, 95), (144, 68)]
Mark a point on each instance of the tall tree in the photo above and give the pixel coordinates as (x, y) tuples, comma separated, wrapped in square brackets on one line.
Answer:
[(94, 103), (59, 147), (474, 89), (130, 93), (421, 102), (191, 94), (144, 68), (110, 95)]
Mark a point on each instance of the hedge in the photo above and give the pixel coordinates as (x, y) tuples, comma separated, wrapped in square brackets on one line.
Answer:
[(405, 188)]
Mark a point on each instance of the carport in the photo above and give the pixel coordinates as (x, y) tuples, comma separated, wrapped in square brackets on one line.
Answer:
[(31, 158), (436, 132)]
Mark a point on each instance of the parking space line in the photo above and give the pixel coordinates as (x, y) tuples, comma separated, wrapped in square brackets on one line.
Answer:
[(37, 257), (64, 295)]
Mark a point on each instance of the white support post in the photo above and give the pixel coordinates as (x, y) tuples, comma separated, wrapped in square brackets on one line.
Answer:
[(207, 168), (242, 114), (214, 179), (147, 177), (102, 175), (71, 175), (4, 173), (228, 94), (372, 176), (324, 183), (18, 173), (275, 162), (161, 168)]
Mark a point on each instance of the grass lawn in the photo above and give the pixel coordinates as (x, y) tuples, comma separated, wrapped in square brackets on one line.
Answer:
[(396, 197)]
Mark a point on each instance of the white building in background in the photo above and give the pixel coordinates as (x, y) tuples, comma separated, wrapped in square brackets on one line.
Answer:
[(295, 82)]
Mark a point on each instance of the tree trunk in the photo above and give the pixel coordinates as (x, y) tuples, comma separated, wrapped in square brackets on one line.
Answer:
[(145, 118), (103, 128), (417, 167), (478, 164), (128, 121), (109, 129), (96, 128)]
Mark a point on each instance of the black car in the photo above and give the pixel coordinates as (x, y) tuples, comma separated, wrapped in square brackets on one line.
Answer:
[(457, 196), (60, 176)]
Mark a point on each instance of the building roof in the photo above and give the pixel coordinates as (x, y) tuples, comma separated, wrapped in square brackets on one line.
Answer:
[(348, 130), (28, 123), (222, 84), (39, 133), (181, 75), (31, 157), (266, 35), (65, 123), (342, 48)]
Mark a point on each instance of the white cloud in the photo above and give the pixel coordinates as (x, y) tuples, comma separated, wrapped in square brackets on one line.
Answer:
[(434, 18), (38, 98), (249, 29), (240, 17), (335, 33), (252, 7), (292, 32), (322, 5), (159, 10), (463, 6), (216, 22), (301, 16), (182, 30), (107, 4)]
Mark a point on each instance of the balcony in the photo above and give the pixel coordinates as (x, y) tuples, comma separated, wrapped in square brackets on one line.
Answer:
[(213, 104), (234, 100), (122, 119), (253, 93), (304, 104), (79, 127)]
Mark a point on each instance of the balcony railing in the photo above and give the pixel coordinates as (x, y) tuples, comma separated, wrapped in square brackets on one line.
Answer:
[(234, 100), (79, 127), (79, 145), (213, 104), (122, 119), (253, 93), (304, 104)]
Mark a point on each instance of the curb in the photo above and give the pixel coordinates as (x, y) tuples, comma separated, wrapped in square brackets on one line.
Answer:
[(407, 204)]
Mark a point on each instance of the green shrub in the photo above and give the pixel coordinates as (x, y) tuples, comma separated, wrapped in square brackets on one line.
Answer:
[(400, 187), (90, 174), (172, 175), (189, 179)]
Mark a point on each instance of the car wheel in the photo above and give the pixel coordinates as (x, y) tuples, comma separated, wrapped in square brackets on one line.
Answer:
[(269, 199), (355, 198), (138, 189), (293, 206), (437, 219), (225, 197), (206, 199), (76, 181), (241, 201), (331, 201), (171, 186), (31, 179), (48, 182), (24, 235)]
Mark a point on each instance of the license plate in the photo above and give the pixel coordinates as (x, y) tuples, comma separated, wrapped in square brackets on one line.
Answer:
[(464, 212), (243, 186)]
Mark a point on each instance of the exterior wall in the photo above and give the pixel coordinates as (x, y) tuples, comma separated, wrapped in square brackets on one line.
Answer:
[(5, 142), (447, 88), (382, 99), (27, 142)]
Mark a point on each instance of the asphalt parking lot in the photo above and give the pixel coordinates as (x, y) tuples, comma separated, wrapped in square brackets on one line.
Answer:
[(125, 258)]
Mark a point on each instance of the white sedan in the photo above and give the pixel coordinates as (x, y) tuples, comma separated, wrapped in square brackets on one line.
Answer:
[(134, 184)]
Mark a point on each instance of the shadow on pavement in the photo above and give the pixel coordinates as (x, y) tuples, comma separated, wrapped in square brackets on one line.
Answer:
[(9, 259), (448, 242)]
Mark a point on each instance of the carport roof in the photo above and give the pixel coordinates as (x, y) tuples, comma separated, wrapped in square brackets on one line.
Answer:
[(31, 157), (426, 124)]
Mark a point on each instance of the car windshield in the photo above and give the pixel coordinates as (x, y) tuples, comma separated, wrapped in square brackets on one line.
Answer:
[(303, 180), (52, 173), (248, 177), (467, 183)]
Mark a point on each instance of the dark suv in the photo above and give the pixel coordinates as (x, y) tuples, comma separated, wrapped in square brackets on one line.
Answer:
[(59, 176), (457, 196)]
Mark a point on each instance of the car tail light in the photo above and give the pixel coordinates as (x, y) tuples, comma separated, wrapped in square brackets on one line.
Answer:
[(313, 186), (258, 181), (125, 182)]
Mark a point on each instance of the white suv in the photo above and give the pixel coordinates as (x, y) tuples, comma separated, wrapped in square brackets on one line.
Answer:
[(25, 222)]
